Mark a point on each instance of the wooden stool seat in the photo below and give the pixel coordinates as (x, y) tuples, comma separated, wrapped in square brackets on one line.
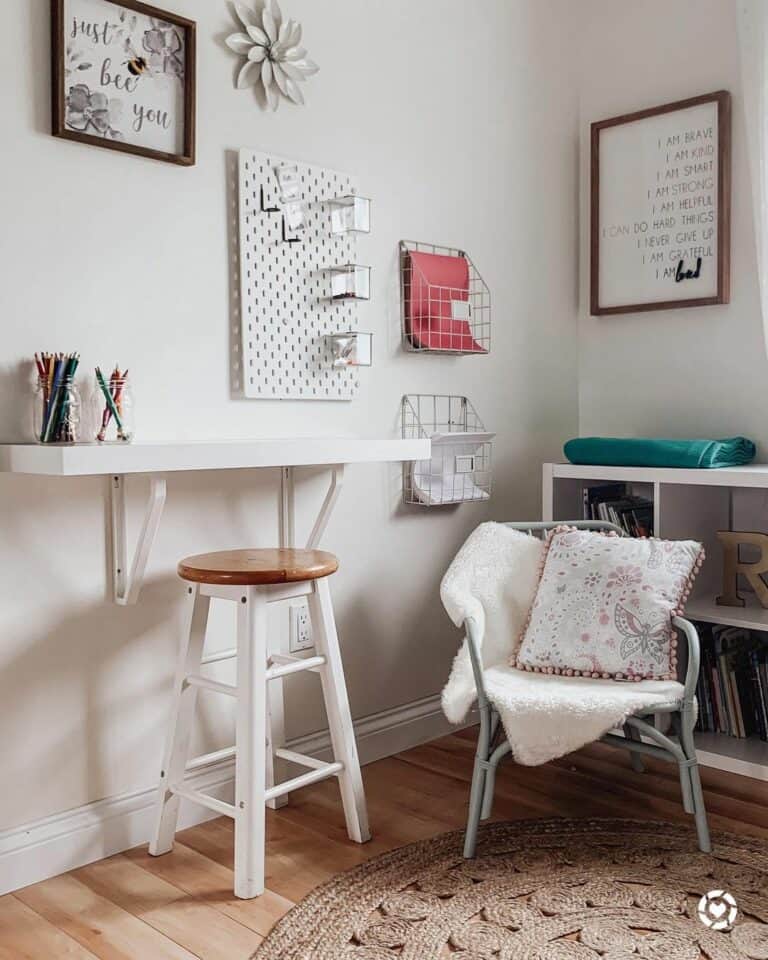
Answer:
[(258, 567)]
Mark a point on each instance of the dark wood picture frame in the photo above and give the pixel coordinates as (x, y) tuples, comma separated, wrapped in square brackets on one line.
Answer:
[(58, 100), (723, 268)]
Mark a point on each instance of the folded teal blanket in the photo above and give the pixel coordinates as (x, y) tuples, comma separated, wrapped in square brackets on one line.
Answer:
[(640, 452)]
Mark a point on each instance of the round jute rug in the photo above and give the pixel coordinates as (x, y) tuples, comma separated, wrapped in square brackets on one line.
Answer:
[(539, 890)]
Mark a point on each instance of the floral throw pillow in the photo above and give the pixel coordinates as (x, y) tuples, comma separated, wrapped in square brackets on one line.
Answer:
[(604, 606)]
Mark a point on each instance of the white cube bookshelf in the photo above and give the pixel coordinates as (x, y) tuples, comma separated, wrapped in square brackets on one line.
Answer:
[(687, 504)]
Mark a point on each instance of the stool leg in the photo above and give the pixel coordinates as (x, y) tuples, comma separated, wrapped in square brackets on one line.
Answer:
[(176, 752), (251, 735), (277, 770), (337, 708)]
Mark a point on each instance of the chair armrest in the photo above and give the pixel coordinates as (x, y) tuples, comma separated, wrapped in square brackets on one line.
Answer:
[(686, 628), (544, 526)]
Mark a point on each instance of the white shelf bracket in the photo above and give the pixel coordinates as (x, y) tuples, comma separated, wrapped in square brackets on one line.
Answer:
[(337, 481), (287, 508), (127, 583)]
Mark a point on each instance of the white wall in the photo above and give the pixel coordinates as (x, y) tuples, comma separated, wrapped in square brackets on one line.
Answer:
[(680, 373), (460, 121)]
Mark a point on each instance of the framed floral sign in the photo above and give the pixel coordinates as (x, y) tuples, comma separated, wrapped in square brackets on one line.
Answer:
[(124, 78)]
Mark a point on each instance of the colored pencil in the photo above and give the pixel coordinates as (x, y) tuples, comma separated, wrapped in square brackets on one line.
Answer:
[(53, 400), (110, 403), (56, 371), (63, 429), (114, 391)]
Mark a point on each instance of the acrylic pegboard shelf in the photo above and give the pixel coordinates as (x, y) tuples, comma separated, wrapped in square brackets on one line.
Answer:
[(287, 315), (459, 470), (445, 304), (350, 214), (350, 281), (352, 349)]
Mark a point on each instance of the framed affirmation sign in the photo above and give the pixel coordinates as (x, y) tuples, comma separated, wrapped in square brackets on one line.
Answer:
[(661, 207), (123, 77)]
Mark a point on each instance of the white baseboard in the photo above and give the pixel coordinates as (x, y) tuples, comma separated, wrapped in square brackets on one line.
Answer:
[(386, 733), (65, 841)]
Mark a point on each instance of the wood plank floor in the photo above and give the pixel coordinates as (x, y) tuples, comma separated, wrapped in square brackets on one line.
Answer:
[(180, 906)]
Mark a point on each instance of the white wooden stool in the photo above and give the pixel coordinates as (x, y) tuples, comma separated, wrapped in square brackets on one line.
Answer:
[(252, 579)]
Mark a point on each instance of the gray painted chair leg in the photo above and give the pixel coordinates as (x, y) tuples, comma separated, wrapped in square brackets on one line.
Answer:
[(699, 810), (634, 758), (683, 768), (686, 788), (475, 808), (488, 790)]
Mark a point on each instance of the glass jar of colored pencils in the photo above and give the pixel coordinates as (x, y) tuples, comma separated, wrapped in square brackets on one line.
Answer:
[(56, 411), (113, 407)]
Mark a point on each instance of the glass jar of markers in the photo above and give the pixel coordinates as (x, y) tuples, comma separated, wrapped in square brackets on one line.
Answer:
[(113, 407), (56, 410)]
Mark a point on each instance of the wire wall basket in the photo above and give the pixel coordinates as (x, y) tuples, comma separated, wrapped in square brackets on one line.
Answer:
[(459, 470), (446, 305)]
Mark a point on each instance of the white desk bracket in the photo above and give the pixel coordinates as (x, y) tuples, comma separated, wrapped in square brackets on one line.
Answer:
[(287, 507), (127, 584), (337, 481)]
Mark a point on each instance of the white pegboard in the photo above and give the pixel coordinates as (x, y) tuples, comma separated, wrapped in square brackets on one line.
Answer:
[(286, 310)]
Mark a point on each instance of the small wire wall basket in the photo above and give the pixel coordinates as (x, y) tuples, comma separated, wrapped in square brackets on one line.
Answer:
[(446, 305), (459, 470)]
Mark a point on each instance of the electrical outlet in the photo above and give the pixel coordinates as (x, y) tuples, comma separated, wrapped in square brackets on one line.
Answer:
[(300, 636)]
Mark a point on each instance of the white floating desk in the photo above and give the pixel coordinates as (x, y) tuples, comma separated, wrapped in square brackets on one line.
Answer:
[(117, 461), (82, 460)]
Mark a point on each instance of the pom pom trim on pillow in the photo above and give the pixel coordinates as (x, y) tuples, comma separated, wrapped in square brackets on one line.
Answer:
[(678, 610)]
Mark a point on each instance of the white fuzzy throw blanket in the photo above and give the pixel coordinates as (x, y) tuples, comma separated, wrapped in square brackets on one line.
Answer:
[(492, 580)]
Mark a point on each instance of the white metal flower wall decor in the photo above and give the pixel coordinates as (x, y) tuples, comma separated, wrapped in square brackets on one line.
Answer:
[(273, 53)]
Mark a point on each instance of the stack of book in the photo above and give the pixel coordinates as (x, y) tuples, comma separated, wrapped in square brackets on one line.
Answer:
[(733, 682), (610, 501)]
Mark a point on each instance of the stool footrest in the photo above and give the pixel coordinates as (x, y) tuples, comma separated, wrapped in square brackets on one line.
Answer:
[(304, 780), (194, 680), (227, 753), (197, 796), (220, 655), (285, 664), (300, 758)]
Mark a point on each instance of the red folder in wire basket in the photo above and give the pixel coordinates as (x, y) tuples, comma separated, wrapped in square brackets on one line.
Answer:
[(437, 304)]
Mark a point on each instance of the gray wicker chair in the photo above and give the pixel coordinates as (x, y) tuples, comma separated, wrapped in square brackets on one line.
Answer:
[(675, 747)]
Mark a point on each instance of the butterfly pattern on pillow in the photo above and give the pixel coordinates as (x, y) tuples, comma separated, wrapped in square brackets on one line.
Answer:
[(649, 640)]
